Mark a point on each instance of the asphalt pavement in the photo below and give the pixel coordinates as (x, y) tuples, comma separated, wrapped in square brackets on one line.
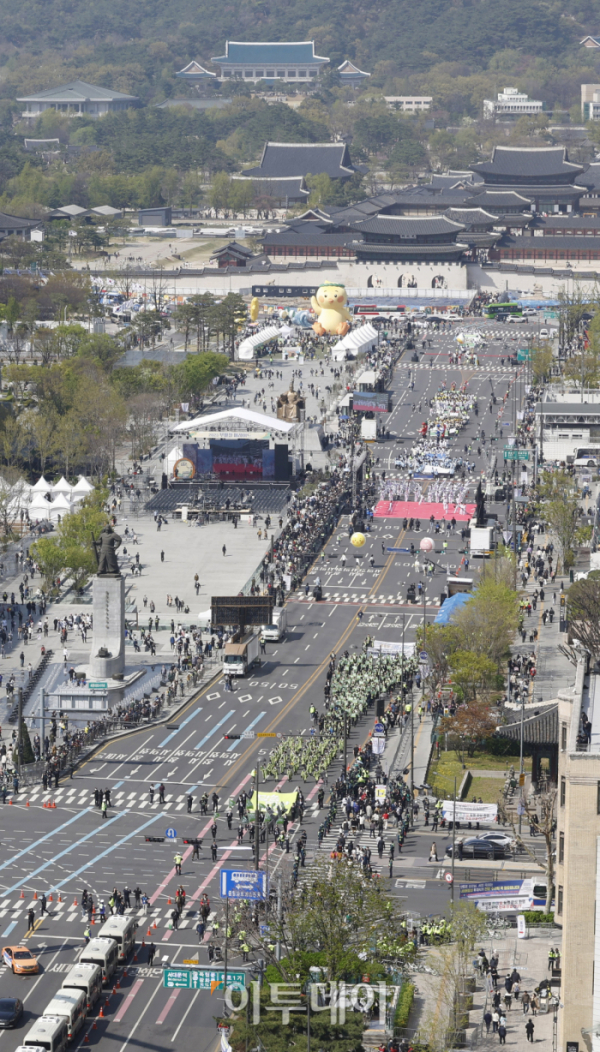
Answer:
[(62, 849)]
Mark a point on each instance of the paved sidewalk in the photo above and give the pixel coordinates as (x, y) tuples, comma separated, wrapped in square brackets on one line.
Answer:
[(530, 958)]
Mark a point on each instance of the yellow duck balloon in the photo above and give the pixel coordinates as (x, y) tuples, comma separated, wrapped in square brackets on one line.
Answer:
[(254, 308)]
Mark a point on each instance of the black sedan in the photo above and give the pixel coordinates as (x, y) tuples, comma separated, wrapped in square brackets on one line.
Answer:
[(11, 1010), (474, 847)]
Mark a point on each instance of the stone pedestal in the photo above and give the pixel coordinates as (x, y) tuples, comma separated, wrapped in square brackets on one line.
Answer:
[(107, 659)]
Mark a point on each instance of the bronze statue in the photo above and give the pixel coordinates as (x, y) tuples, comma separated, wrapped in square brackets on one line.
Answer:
[(289, 405), (481, 517), (106, 552)]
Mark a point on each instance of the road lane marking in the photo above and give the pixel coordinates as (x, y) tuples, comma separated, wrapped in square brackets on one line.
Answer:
[(182, 724), (185, 1014), (139, 1019), (61, 854), (126, 1003), (103, 854), (248, 728), (37, 843), (171, 1001), (215, 728)]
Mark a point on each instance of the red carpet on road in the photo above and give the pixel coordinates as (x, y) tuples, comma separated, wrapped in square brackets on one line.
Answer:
[(411, 509)]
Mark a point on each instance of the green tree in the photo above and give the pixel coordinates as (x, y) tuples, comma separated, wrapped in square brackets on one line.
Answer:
[(474, 675), (70, 550), (195, 374), (219, 192), (559, 507)]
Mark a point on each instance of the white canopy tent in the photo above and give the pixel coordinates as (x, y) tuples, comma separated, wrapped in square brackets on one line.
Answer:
[(229, 416), (82, 486), (41, 486), (362, 339), (247, 347), (39, 508), (60, 507), (62, 486)]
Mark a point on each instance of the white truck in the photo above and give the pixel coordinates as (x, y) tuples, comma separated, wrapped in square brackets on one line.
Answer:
[(276, 630), (240, 655)]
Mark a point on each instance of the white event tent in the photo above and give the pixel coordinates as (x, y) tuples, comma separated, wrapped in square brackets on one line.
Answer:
[(247, 347), (362, 339)]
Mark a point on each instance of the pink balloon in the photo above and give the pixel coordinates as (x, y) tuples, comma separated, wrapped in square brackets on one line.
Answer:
[(426, 544)]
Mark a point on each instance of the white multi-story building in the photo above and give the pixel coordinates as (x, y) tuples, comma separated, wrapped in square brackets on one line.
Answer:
[(590, 102), (512, 103), (409, 103)]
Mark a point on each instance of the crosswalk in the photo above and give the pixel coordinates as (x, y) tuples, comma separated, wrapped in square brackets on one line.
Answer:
[(345, 597), (129, 799), (70, 913)]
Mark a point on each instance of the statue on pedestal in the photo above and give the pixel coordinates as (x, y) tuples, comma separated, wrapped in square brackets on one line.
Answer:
[(106, 552), (480, 515), (289, 405)]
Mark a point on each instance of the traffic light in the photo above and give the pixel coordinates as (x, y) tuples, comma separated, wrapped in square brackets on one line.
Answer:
[(563, 601)]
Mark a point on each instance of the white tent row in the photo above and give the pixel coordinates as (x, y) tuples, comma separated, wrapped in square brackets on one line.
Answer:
[(247, 347), (362, 339), (44, 500)]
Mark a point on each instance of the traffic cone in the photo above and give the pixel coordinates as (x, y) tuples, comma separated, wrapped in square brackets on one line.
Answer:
[(135, 956), (155, 925), (117, 984), (148, 933), (27, 804), (10, 801), (86, 1039), (35, 894), (101, 1012), (124, 973), (143, 942), (59, 897), (54, 803), (92, 922), (107, 1002), (49, 898), (94, 1025), (74, 902), (22, 894), (169, 903), (114, 990)]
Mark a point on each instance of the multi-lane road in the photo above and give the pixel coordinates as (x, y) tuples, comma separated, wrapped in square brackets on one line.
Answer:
[(62, 850)]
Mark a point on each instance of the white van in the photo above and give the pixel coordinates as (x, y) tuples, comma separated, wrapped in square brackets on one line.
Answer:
[(104, 952), (277, 629), (122, 930), (72, 1006), (49, 1033), (86, 977)]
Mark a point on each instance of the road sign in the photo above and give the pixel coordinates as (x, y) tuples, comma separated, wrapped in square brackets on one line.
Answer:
[(266, 734), (200, 978), (171, 834), (244, 884), (516, 454), (195, 962), (379, 728), (97, 686), (423, 656), (448, 878), (247, 734)]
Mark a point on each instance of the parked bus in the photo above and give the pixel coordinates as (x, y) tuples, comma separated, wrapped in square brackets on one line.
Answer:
[(375, 310), (494, 309)]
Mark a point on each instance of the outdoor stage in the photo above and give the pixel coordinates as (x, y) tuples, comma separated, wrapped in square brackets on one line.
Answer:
[(411, 509)]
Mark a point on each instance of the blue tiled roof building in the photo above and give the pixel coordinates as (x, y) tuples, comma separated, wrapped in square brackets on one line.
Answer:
[(295, 62)]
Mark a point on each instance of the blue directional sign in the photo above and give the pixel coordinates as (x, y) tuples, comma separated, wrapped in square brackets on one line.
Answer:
[(171, 834), (244, 884), (379, 728)]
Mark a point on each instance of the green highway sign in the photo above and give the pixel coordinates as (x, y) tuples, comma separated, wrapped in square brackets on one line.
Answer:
[(516, 454), (98, 686), (200, 978)]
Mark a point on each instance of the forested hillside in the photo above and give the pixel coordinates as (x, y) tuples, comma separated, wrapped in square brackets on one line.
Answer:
[(457, 51), (136, 45)]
